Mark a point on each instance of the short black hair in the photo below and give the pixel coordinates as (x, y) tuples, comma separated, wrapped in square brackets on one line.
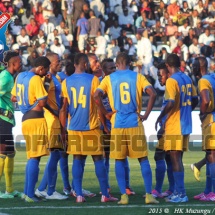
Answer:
[(42, 61), (80, 57), (8, 55), (106, 60), (173, 61), (163, 66), (123, 58)]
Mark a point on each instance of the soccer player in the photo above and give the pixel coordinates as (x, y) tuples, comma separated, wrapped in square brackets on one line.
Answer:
[(124, 89), (51, 114), (83, 129), (161, 156), (108, 66), (207, 104), (181, 99), (31, 97), (7, 121)]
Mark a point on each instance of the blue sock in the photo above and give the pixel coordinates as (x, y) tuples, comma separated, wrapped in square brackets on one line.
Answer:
[(212, 174), (147, 175), (44, 181), (102, 176), (65, 170), (170, 176), (179, 182), (160, 174), (107, 166), (26, 178), (77, 174), (52, 171), (83, 161), (127, 174), (33, 172), (120, 175), (208, 185)]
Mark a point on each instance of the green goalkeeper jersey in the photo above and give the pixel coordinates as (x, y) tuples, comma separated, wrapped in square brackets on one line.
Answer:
[(6, 85)]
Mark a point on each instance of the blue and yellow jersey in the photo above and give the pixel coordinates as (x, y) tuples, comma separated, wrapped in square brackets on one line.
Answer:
[(54, 94), (179, 88), (79, 90), (61, 76), (165, 117), (28, 90), (124, 89), (207, 82)]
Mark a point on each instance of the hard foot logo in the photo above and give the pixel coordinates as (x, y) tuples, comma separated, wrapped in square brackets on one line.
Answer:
[(4, 18), (1, 47)]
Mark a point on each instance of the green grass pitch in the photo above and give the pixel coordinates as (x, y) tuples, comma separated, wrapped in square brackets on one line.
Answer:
[(94, 206)]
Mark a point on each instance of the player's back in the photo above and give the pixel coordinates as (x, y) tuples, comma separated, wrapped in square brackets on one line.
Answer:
[(125, 95), (29, 89), (79, 90), (179, 120)]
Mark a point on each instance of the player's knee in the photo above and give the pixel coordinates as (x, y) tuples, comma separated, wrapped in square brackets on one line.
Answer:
[(159, 155), (97, 158), (11, 155), (64, 154)]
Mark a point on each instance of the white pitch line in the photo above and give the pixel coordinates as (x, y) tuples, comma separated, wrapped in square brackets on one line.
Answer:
[(109, 206)]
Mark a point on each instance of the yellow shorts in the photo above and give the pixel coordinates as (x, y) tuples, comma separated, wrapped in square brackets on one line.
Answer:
[(128, 142), (35, 134), (54, 130), (208, 137), (84, 142), (176, 142)]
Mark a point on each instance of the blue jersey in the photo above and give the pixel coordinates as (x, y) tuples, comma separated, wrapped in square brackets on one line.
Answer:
[(79, 90), (124, 89), (179, 88), (28, 90)]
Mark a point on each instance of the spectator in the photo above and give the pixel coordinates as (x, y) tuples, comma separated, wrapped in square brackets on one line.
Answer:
[(15, 28), (68, 14), (31, 59), (9, 39), (200, 8), (77, 9), (174, 40), (98, 7), (93, 25), (47, 8), (157, 32), (35, 39), (211, 9), (164, 54), (86, 10), (67, 39), (82, 32), (164, 20), (47, 26), (189, 38), (126, 21), (181, 50), (185, 68), (61, 27), (57, 18), (26, 17), (52, 36), (101, 43), (39, 15), (199, 29), (57, 48), (160, 10), (206, 38), (122, 40), (32, 28), (113, 49), (186, 12), (23, 40), (184, 29), (6, 7), (170, 28), (131, 50), (42, 50), (138, 23), (173, 8), (194, 48), (193, 19), (114, 31)]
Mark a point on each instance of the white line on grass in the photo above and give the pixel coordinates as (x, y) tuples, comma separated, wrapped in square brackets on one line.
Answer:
[(109, 206)]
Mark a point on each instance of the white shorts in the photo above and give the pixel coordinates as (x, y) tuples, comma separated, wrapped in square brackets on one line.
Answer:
[(82, 41)]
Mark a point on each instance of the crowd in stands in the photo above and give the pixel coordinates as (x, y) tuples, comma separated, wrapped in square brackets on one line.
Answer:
[(148, 30)]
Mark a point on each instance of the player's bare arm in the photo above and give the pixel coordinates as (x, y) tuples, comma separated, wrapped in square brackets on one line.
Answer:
[(205, 100), (98, 100), (169, 106), (152, 96), (195, 102)]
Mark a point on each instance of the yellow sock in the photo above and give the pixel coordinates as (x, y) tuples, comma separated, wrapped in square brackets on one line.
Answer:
[(8, 172), (2, 161)]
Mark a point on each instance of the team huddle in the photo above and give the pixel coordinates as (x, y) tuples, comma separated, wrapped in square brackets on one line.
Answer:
[(99, 114)]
